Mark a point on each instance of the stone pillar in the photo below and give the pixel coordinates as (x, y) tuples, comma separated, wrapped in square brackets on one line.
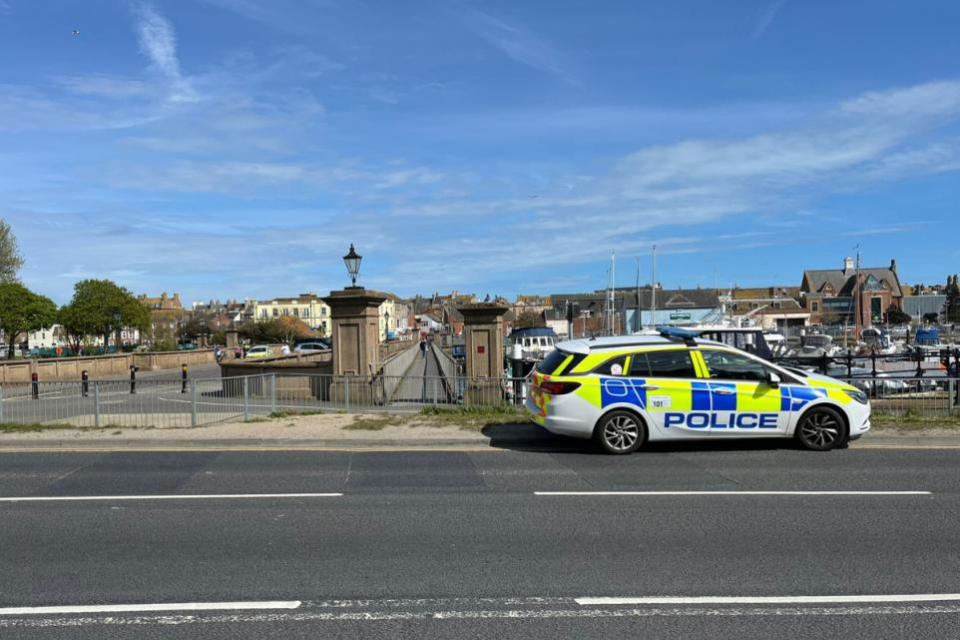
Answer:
[(483, 348), (355, 328), (233, 338)]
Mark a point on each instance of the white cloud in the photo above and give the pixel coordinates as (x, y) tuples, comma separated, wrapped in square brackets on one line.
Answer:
[(104, 86), (518, 43), (158, 42), (766, 16)]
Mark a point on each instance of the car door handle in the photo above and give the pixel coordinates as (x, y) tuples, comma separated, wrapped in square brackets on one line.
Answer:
[(649, 387), (724, 392)]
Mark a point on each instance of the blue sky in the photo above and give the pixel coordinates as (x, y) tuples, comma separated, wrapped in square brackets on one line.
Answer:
[(235, 148)]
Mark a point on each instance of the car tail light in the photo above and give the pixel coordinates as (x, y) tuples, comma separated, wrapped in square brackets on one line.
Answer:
[(558, 388)]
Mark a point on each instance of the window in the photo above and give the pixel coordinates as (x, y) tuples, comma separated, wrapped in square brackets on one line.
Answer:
[(552, 362), (815, 306), (674, 363), (728, 365), (612, 367)]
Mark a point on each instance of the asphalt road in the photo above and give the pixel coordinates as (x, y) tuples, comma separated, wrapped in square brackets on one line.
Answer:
[(460, 544)]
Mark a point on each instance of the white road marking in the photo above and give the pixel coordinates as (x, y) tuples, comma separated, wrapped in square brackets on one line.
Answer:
[(858, 599), (203, 496), (732, 493), (486, 614), (148, 608)]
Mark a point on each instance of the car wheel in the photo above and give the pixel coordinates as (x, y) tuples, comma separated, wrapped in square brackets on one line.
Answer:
[(821, 429), (620, 432)]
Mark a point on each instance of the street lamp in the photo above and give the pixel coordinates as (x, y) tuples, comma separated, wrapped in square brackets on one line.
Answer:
[(352, 261), (386, 320)]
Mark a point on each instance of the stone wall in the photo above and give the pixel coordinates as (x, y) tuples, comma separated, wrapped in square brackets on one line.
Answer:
[(54, 369)]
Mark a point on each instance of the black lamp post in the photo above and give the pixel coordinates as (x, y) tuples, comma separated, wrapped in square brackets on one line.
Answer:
[(386, 320), (352, 261)]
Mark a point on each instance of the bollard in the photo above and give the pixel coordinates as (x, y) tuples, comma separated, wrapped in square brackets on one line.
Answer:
[(84, 383), (183, 378), (133, 378), (35, 385)]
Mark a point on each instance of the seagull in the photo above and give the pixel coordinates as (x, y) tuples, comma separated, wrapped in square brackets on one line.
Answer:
[(76, 32)]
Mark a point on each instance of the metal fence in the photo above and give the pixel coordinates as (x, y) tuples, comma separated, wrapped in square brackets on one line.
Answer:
[(197, 402), (167, 404)]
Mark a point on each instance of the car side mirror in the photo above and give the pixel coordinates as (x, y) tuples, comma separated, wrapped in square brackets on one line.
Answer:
[(773, 380)]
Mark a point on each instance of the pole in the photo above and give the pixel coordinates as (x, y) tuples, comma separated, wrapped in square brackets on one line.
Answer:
[(96, 404), (133, 379), (35, 385), (653, 289), (193, 403), (85, 383), (273, 393), (636, 321), (183, 378), (246, 399)]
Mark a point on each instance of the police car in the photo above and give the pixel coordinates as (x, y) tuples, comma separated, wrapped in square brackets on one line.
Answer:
[(625, 391)]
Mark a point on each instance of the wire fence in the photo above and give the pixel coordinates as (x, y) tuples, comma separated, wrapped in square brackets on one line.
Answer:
[(198, 402)]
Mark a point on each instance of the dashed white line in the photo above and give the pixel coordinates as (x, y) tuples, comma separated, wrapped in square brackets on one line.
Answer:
[(202, 496), (732, 493), (152, 608)]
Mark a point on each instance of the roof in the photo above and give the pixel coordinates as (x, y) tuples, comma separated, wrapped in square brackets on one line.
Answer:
[(627, 298), (533, 332), (843, 281), (586, 345)]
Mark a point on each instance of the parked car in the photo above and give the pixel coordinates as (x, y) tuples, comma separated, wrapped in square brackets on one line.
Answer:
[(312, 347), (259, 351)]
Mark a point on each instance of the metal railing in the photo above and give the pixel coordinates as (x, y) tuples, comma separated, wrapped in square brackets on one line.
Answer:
[(198, 402)]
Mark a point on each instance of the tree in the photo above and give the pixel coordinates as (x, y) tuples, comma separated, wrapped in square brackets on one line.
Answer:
[(953, 299), (282, 329), (101, 308), (10, 258), (21, 311), (897, 316), (527, 319)]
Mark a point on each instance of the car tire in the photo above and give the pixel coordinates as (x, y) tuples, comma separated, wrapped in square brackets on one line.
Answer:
[(620, 432), (821, 429)]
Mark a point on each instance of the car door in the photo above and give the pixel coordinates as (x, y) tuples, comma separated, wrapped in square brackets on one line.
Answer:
[(742, 400), (663, 379)]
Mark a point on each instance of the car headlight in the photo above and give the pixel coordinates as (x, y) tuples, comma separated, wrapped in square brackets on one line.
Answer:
[(858, 395)]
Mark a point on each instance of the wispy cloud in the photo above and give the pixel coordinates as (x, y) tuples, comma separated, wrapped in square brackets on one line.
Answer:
[(765, 17), (518, 43), (158, 42)]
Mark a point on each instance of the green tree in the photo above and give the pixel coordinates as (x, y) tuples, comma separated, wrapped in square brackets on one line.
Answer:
[(897, 316), (527, 319), (10, 258), (22, 310), (953, 299), (101, 308)]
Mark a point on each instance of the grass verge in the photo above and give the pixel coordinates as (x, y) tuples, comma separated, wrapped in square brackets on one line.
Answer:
[(912, 420)]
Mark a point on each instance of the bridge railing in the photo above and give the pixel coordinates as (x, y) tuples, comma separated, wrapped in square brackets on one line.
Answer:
[(171, 403)]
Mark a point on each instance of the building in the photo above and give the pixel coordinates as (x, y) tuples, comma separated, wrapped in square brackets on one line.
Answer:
[(166, 316), (590, 316), (772, 308), (830, 294), (925, 305), (394, 318), (307, 307)]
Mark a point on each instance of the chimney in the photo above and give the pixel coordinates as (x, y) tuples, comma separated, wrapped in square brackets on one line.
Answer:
[(893, 265), (848, 264)]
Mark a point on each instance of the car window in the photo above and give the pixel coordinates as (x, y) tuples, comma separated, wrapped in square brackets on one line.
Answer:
[(552, 362), (728, 365), (612, 367), (673, 363)]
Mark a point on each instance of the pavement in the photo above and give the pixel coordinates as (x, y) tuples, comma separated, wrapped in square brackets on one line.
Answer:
[(706, 541)]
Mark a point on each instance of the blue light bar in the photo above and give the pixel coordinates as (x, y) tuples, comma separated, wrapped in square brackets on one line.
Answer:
[(677, 333)]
